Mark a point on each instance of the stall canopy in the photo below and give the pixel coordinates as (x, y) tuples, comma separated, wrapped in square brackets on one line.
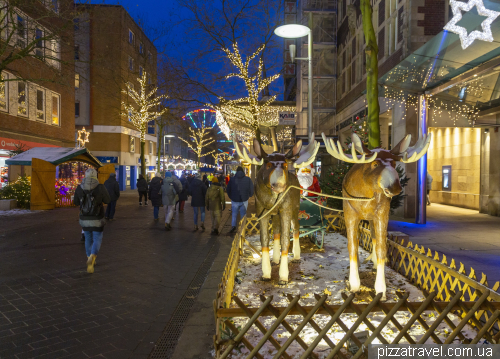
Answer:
[(54, 155)]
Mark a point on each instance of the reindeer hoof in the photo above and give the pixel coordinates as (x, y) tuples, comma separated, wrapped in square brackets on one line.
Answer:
[(264, 279), (296, 261), (274, 264), (384, 298), (282, 282)]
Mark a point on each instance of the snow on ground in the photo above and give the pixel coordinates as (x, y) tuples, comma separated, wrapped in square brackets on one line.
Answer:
[(17, 212), (323, 271)]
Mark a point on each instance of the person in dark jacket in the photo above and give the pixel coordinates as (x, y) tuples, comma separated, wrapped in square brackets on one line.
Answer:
[(92, 225), (113, 188), (142, 188), (205, 181), (239, 190), (197, 191), (183, 196), (155, 194)]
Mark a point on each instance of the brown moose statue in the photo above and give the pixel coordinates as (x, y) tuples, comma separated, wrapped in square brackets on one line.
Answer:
[(272, 180), (372, 177)]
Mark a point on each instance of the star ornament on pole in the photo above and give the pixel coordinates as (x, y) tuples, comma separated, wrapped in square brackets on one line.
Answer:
[(82, 140), (467, 39)]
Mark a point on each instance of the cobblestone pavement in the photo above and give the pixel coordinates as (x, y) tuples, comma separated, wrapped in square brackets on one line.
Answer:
[(50, 307)]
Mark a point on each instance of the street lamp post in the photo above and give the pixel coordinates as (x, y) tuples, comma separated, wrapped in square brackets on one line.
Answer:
[(164, 137), (295, 31)]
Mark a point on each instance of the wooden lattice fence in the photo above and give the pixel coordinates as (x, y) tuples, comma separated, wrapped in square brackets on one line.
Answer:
[(449, 292)]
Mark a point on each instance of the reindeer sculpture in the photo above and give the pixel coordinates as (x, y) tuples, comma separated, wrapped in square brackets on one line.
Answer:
[(271, 182), (373, 177)]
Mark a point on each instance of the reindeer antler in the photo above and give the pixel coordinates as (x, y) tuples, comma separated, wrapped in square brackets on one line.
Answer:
[(417, 151), (336, 150), (245, 154), (308, 154)]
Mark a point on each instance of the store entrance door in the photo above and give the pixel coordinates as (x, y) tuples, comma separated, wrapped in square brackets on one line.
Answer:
[(43, 176)]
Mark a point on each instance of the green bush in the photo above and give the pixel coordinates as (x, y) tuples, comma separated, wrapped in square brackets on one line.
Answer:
[(19, 190)]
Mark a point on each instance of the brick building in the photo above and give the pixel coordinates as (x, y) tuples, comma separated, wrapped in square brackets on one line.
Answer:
[(36, 94), (111, 50)]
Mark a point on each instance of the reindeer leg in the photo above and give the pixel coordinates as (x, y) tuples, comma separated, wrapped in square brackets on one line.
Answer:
[(380, 228), (352, 223), (264, 241), (277, 239), (373, 254), (285, 244), (296, 242)]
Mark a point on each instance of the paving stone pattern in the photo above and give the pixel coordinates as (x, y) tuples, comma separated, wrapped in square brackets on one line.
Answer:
[(50, 307)]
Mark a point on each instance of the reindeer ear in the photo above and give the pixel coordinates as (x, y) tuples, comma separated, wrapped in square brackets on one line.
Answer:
[(259, 151), (295, 150)]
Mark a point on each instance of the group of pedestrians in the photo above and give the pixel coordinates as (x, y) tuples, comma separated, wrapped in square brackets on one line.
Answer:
[(167, 192)]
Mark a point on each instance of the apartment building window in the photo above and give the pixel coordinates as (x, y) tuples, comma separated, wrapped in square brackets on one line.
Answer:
[(77, 52), (141, 48), (52, 55), (140, 71), (77, 109), (150, 57), (391, 15), (130, 63), (54, 5), (129, 116), (132, 144), (131, 37), (40, 105), (21, 31), (55, 109), (77, 81), (4, 94), (22, 99), (39, 48)]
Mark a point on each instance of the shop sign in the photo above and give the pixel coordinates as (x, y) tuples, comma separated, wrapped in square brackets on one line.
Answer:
[(10, 144), (287, 118)]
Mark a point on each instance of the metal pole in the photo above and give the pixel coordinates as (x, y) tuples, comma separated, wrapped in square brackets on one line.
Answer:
[(310, 78), (421, 217)]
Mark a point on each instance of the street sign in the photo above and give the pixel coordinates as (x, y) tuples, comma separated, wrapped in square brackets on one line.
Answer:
[(287, 118)]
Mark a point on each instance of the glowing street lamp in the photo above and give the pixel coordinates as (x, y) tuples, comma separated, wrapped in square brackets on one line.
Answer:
[(295, 31)]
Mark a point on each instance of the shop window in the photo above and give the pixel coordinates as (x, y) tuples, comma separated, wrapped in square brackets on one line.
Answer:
[(40, 105), (4, 92), (132, 144), (77, 81), (22, 99), (56, 110), (39, 48), (446, 178), (77, 109)]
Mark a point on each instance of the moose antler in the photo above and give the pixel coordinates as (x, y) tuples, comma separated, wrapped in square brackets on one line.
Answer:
[(417, 151), (308, 154), (336, 150), (245, 154)]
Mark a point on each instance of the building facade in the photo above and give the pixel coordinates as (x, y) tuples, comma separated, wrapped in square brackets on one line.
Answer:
[(111, 50), (36, 90)]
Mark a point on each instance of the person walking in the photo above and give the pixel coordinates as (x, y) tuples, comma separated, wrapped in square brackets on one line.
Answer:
[(183, 196), (429, 186), (169, 190), (142, 188), (155, 194), (91, 196), (215, 202), (113, 188), (205, 181), (197, 190), (239, 190)]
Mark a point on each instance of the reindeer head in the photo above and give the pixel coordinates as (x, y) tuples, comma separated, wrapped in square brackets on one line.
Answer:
[(379, 168), (274, 173)]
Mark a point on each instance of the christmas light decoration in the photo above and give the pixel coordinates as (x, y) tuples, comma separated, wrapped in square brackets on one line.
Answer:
[(200, 139), (142, 110), (247, 111), (82, 140), (467, 39)]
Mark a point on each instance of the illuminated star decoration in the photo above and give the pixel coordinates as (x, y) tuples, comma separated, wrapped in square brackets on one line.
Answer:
[(82, 141), (457, 7)]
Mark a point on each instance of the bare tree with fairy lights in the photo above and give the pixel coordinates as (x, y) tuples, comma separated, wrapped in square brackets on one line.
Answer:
[(198, 140), (142, 110)]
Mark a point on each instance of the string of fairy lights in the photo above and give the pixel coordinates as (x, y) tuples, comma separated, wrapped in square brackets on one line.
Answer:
[(198, 139)]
